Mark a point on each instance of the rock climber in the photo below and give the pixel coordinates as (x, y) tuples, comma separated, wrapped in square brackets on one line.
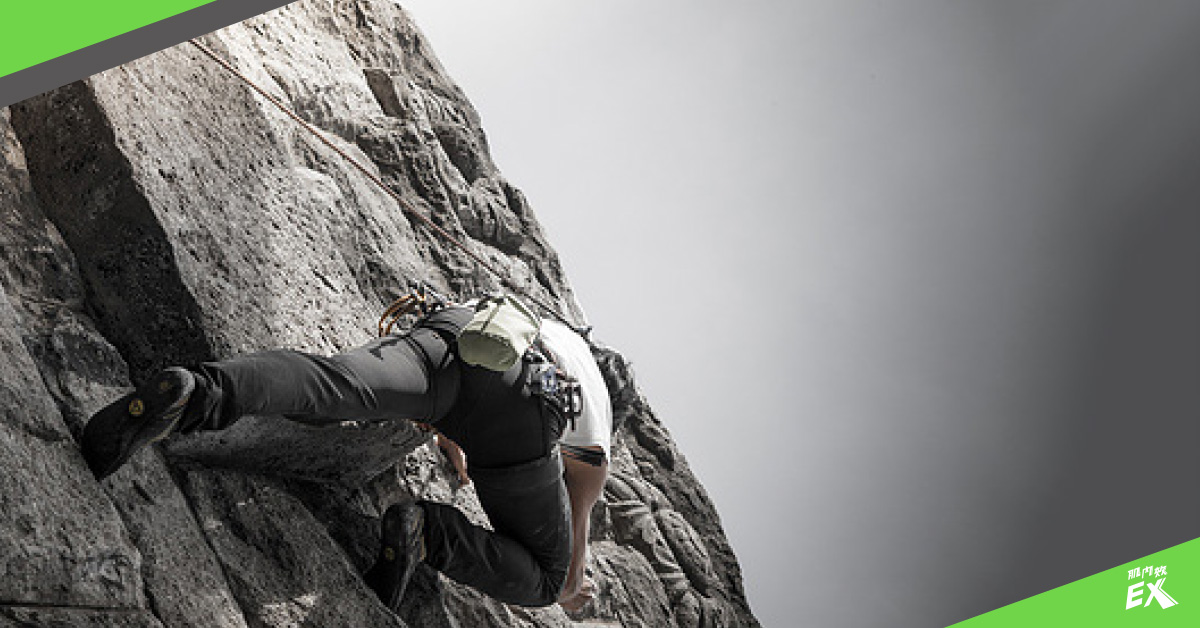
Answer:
[(538, 461)]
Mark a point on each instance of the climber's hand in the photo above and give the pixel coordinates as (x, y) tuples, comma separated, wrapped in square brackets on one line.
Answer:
[(573, 601)]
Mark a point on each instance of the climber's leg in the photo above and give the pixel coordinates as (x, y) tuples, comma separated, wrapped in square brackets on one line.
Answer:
[(388, 378), (525, 560), (146, 415), (401, 547)]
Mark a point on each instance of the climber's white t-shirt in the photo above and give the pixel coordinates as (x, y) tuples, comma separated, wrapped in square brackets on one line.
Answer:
[(593, 427)]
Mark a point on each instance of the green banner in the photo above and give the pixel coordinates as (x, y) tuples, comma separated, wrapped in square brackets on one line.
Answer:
[(34, 31), (1162, 589)]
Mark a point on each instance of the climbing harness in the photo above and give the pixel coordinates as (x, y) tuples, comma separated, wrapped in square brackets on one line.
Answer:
[(404, 205), (506, 329), (541, 374), (534, 391)]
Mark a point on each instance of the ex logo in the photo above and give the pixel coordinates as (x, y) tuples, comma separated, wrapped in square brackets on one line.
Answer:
[(1156, 593)]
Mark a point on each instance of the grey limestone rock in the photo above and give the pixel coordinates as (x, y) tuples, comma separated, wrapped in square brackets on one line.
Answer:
[(164, 213), (43, 617), (80, 371)]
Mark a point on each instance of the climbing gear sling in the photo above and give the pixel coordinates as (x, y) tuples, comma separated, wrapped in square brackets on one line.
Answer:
[(420, 299)]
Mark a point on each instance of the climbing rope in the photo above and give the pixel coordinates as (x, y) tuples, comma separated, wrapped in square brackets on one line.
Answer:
[(408, 209)]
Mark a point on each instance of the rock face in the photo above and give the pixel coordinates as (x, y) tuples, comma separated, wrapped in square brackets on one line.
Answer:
[(162, 213)]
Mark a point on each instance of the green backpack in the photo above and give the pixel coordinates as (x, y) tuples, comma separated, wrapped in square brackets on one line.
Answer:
[(499, 333)]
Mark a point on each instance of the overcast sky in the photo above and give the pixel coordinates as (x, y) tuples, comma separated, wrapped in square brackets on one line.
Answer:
[(865, 257)]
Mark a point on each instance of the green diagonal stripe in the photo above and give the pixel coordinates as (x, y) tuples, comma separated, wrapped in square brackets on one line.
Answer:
[(34, 31), (1124, 596)]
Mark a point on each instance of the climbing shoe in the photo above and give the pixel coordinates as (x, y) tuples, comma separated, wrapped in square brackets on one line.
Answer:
[(144, 416), (402, 546)]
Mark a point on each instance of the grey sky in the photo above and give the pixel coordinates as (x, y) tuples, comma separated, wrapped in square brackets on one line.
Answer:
[(879, 266)]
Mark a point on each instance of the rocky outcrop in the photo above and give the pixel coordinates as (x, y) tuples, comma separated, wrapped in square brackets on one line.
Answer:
[(163, 213)]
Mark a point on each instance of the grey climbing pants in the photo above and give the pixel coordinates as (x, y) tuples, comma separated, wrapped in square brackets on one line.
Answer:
[(524, 560)]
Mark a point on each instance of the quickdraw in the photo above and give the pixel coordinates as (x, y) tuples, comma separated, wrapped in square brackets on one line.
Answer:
[(420, 299)]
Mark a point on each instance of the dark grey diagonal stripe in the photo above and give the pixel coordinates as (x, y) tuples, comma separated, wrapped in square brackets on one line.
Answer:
[(132, 45)]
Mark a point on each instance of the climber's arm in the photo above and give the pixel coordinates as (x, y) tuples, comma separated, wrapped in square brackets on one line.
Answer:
[(585, 484), (456, 456), (451, 450)]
